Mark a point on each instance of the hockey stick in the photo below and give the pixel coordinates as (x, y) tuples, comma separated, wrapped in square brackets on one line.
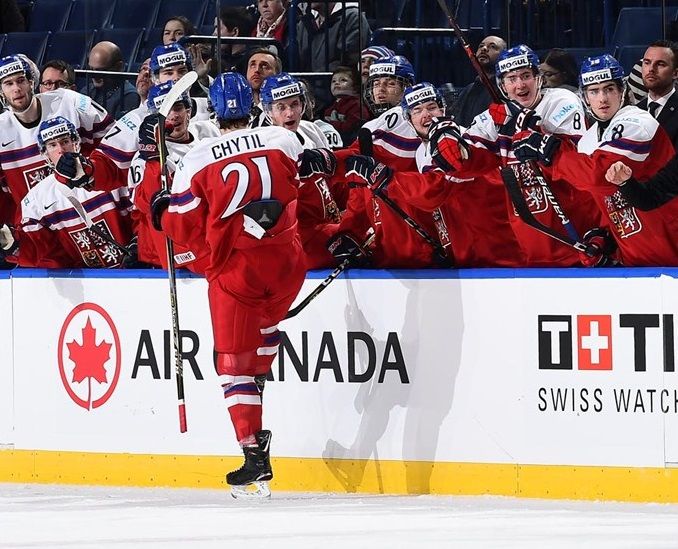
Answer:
[(87, 220), (179, 87), (334, 274), (516, 194), (367, 149)]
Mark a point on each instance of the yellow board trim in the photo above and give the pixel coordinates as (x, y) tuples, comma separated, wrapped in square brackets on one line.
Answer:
[(359, 476)]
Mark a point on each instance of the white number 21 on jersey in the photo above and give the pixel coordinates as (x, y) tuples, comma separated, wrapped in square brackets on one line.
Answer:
[(246, 180)]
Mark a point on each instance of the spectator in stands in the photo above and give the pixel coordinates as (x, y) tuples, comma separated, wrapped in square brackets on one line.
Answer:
[(117, 96), (328, 35), (332, 135), (261, 64), (57, 74), (475, 98), (272, 22), (11, 19), (144, 81), (233, 22), (660, 70), (348, 112), (175, 28), (559, 69), (367, 57)]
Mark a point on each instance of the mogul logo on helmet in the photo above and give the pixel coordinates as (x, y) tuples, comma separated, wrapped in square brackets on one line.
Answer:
[(172, 58), (385, 69), (16, 66), (596, 76), (158, 101), (55, 131), (513, 63), (428, 94), (286, 91)]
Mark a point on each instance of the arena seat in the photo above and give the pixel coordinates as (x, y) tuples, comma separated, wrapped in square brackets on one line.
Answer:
[(640, 26), (629, 56), (193, 10), (129, 14), (128, 40), (49, 15), (32, 44), (71, 46), (89, 14)]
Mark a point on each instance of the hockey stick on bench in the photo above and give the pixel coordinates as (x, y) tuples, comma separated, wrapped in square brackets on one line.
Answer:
[(179, 87)]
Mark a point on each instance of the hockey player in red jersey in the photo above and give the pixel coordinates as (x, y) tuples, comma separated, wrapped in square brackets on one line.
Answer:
[(22, 165), (488, 143), (620, 132), (144, 175), (283, 100), (53, 232), (238, 193)]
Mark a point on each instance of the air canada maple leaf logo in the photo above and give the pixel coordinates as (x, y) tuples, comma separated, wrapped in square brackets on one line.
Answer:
[(89, 355)]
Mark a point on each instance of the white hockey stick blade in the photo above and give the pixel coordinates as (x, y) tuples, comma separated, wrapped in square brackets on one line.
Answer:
[(180, 86), (256, 490), (70, 196)]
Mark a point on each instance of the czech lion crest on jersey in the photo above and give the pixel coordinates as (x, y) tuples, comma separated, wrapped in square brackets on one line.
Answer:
[(622, 215), (532, 191), (95, 251), (35, 175)]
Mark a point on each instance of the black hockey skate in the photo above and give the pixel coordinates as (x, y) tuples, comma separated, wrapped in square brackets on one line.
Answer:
[(251, 480)]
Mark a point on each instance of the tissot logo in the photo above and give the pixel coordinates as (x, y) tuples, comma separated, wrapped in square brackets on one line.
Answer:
[(595, 337)]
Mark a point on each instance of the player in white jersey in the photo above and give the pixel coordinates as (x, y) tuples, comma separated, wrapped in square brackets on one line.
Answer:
[(488, 144), (22, 165), (237, 194), (169, 62), (183, 134), (56, 214)]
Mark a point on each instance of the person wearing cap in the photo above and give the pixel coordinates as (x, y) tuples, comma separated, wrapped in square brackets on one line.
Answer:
[(475, 97), (52, 233), (487, 144), (620, 133), (182, 134)]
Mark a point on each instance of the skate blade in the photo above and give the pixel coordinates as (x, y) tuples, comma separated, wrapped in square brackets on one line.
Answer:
[(256, 490)]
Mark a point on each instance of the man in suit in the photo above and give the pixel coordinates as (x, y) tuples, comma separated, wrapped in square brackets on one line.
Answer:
[(660, 70)]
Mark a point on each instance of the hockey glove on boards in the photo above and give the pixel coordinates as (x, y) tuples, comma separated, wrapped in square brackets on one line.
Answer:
[(160, 201), (317, 162), (343, 246), (74, 170), (149, 136), (365, 170), (529, 145), (448, 147), (603, 246)]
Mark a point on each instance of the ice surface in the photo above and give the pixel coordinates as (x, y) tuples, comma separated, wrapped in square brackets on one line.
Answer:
[(51, 516)]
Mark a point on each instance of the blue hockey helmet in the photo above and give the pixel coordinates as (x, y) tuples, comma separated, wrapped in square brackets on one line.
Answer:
[(53, 128), (157, 93), (13, 64), (280, 86), (395, 66), (418, 94), (231, 96), (169, 55), (600, 68), (516, 58), (375, 52)]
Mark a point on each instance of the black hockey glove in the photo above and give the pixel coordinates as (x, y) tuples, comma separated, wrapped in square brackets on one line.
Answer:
[(530, 145), (8, 242), (131, 261), (343, 246), (317, 162), (603, 245), (148, 138), (448, 147), (160, 201), (365, 170), (74, 170)]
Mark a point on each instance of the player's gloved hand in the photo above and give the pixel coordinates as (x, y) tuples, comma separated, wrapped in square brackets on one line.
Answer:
[(74, 170), (317, 162), (8, 242), (529, 145), (365, 170), (602, 247), (131, 261), (503, 113), (149, 134), (448, 147), (160, 201), (343, 246)]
